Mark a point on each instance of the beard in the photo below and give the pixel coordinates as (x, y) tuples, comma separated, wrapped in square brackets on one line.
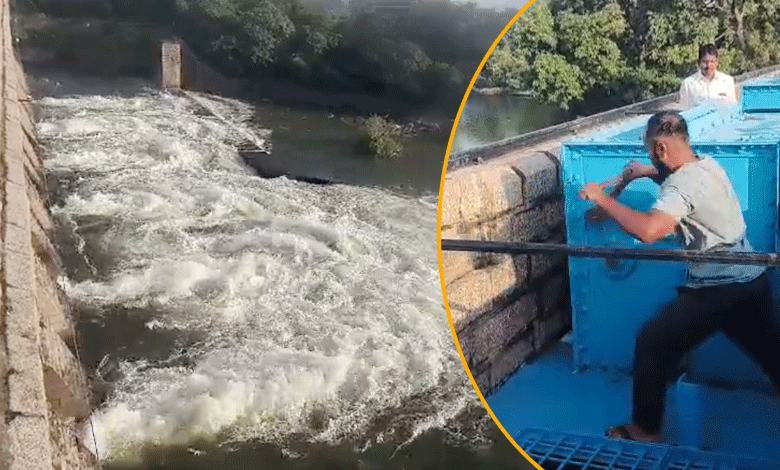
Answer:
[(663, 171)]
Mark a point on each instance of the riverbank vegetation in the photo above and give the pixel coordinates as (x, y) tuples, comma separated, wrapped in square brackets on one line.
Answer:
[(592, 55), (381, 137), (415, 51), (581, 55)]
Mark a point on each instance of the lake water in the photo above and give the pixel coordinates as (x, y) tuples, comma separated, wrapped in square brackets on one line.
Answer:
[(230, 321), (317, 143), (490, 118), (320, 144)]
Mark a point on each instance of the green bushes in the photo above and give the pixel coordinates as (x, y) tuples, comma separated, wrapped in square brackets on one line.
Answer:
[(381, 137)]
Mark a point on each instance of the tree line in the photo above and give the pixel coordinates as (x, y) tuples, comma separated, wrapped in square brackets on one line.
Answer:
[(420, 50), (582, 55), (592, 55)]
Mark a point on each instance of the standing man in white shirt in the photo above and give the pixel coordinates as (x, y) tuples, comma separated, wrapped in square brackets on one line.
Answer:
[(707, 83)]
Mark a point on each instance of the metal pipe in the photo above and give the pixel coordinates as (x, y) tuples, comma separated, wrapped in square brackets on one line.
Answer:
[(522, 248), (639, 112)]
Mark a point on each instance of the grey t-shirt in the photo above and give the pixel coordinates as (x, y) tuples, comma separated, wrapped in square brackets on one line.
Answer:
[(700, 197)]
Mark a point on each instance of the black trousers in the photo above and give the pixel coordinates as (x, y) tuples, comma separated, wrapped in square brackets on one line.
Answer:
[(745, 312)]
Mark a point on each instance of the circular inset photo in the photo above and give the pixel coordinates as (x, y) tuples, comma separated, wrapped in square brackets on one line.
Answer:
[(608, 220)]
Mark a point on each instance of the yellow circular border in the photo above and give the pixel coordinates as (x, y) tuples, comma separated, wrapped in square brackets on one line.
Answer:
[(438, 231)]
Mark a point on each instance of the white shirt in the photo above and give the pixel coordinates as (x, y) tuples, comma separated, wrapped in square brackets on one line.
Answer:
[(697, 88)]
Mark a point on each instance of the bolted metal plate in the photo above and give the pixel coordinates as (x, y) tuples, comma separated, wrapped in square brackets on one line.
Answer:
[(612, 301)]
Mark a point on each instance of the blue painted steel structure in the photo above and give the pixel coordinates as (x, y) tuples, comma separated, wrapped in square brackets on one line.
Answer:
[(722, 412), (761, 96)]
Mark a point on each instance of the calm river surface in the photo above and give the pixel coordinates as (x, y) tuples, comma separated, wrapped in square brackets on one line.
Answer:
[(322, 145), (490, 118)]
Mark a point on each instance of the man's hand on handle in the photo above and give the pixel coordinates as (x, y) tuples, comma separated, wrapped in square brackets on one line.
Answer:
[(594, 192)]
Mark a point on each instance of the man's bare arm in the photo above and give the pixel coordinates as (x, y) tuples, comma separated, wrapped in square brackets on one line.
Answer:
[(648, 227), (633, 171)]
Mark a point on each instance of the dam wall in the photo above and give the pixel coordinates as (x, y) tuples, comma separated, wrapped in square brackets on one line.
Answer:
[(43, 391)]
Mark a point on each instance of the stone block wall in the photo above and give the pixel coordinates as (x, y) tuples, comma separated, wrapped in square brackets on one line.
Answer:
[(43, 391), (505, 308)]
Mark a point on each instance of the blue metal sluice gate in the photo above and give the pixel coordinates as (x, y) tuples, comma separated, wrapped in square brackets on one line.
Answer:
[(722, 412)]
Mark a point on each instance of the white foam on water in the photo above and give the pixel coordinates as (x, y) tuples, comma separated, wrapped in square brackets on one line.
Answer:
[(320, 306)]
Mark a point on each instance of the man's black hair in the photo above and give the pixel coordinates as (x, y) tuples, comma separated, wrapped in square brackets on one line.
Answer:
[(666, 124), (707, 49)]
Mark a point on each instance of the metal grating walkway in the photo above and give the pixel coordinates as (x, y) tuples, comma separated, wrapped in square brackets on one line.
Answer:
[(559, 451)]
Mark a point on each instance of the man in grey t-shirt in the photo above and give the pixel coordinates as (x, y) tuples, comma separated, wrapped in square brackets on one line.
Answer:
[(696, 203)]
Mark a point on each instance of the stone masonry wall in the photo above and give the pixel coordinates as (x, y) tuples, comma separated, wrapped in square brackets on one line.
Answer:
[(503, 307), (43, 391)]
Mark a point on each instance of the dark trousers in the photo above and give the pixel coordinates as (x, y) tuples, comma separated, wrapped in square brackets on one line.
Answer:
[(745, 312)]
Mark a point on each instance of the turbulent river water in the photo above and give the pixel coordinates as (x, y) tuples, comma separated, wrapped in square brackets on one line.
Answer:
[(225, 314)]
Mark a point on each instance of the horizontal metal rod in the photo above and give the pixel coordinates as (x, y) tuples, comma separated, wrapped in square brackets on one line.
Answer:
[(637, 112), (521, 248)]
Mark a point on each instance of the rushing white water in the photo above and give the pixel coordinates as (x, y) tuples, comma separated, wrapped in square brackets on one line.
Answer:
[(318, 308)]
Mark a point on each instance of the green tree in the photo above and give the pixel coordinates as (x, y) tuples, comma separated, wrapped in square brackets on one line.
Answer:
[(624, 50), (750, 26), (590, 41), (533, 34), (556, 80), (256, 28), (510, 68), (675, 32), (547, 54)]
